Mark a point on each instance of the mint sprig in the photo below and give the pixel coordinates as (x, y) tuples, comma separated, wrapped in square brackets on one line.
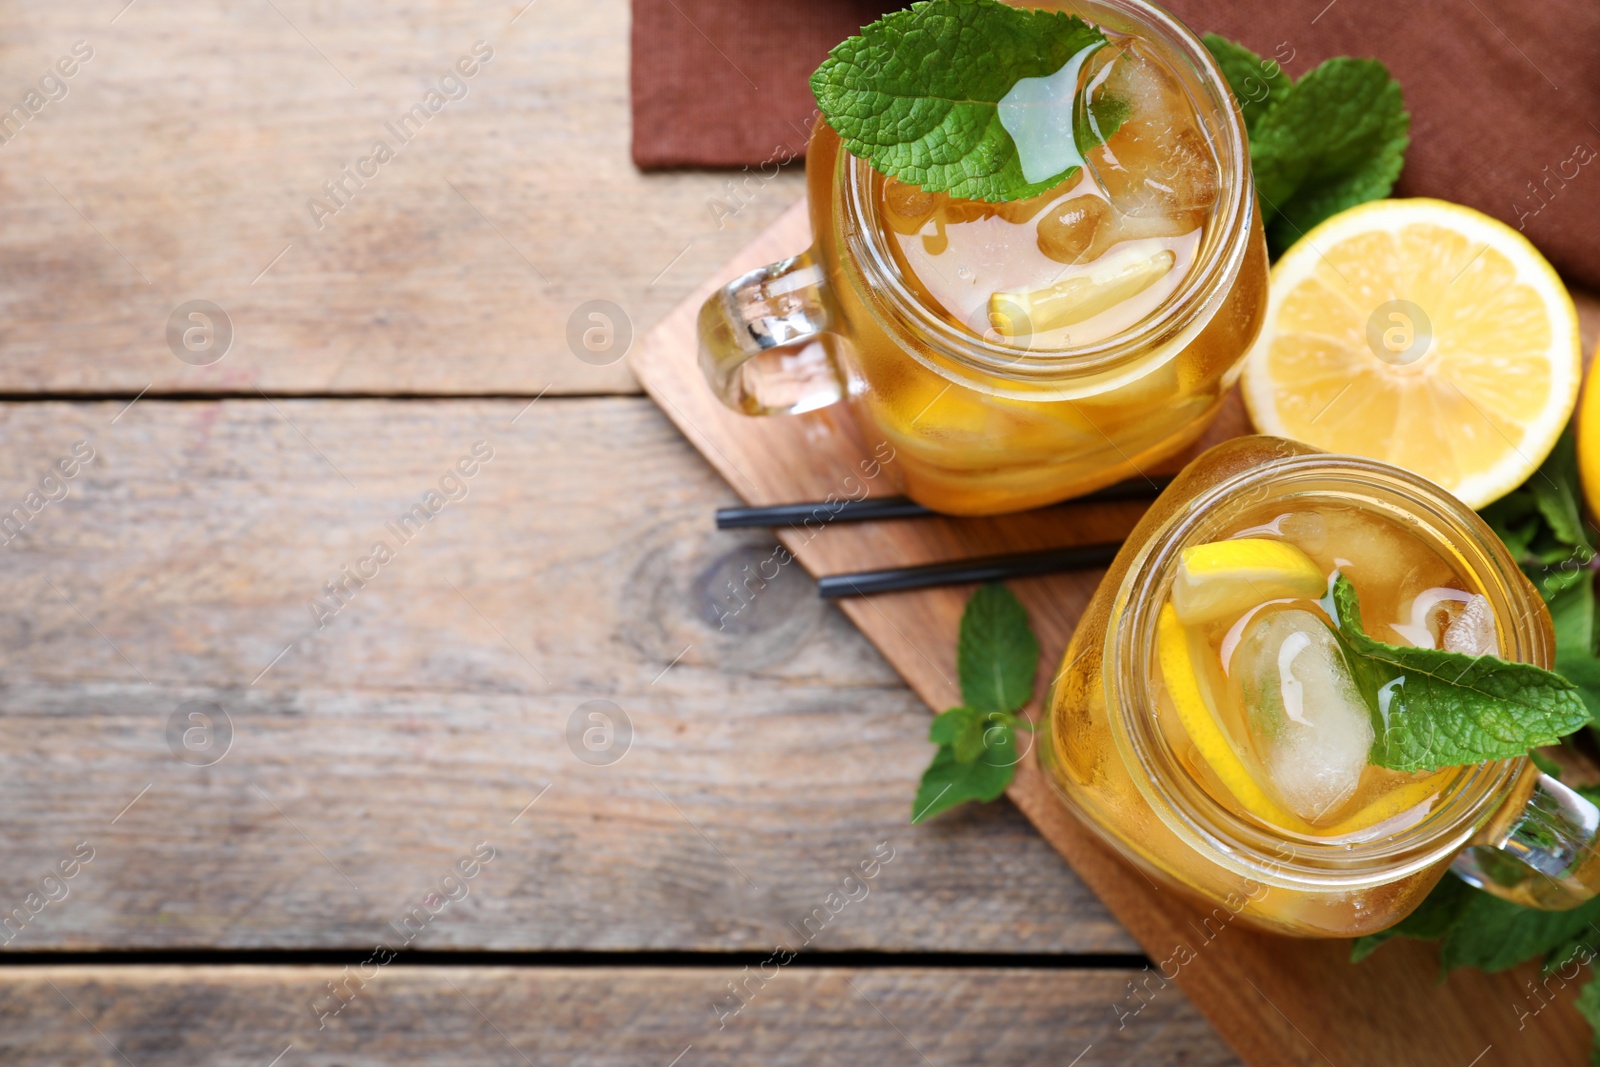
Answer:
[(917, 93), (1435, 708), (997, 658), (1329, 141)]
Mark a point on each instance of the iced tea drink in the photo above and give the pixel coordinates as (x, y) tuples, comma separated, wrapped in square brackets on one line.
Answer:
[(1016, 354), (1252, 684), (1208, 724)]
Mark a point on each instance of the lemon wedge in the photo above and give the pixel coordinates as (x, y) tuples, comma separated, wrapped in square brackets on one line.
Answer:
[(1018, 313), (1226, 577), (1178, 673), (1423, 334)]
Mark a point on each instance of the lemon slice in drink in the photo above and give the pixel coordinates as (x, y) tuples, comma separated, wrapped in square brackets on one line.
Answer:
[(1226, 577), (1200, 722), (1395, 802), (1424, 334)]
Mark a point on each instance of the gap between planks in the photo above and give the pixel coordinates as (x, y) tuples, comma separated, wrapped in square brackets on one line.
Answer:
[(865, 959)]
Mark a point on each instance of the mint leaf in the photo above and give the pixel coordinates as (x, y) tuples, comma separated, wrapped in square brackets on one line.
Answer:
[(1543, 528), (1583, 671), (1478, 929), (1446, 709), (1545, 763), (961, 729), (1542, 525), (1572, 614), (1516, 520), (997, 654), (1555, 491), (1493, 934), (917, 93), (1333, 139), (1338, 139), (1258, 84), (948, 781)]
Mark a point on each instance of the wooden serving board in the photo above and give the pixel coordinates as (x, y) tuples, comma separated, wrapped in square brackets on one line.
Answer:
[(1276, 1000)]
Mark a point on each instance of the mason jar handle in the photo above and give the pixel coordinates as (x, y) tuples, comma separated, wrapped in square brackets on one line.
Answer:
[(1545, 856), (761, 345)]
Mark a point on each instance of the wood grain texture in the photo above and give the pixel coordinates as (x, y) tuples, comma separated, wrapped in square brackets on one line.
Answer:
[(244, 1016), (773, 748), (181, 160), (1276, 1001)]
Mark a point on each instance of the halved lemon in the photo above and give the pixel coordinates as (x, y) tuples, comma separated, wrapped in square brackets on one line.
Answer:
[(1226, 577), (1423, 334)]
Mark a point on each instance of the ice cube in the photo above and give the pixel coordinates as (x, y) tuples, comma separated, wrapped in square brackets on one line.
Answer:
[(1075, 230), (1472, 629), (1452, 619), (1158, 164), (1312, 729), (1152, 171), (1131, 80), (1431, 612), (906, 206)]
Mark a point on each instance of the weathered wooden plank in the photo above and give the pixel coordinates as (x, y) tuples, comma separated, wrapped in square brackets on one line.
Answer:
[(1275, 1001), (182, 161), (769, 757), (225, 1016)]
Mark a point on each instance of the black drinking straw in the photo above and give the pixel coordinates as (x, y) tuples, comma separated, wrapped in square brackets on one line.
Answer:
[(873, 509), (987, 569)]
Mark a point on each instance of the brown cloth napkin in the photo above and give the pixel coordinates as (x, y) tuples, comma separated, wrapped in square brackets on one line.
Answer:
[(1504, 95)]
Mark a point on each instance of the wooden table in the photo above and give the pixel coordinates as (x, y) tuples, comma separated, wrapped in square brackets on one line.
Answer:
[(232, 874)]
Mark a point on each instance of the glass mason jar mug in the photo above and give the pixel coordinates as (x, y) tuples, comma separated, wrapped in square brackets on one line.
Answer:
[(1112, 747), (941, 320)]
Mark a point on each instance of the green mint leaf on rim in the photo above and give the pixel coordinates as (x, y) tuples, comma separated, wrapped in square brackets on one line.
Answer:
[(1335, 138), (1447, 709), (997, 656), (918, 95)]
